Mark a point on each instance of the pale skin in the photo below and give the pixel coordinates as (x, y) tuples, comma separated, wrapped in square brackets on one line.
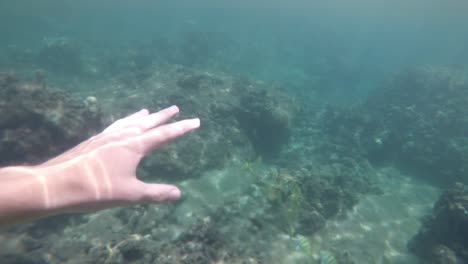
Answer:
[(97, 174)]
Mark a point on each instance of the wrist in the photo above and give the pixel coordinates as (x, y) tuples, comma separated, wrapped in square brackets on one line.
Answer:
[(65, 188), (25, 195), (33, 192)]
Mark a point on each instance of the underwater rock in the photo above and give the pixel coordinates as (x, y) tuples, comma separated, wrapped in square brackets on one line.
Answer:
[(266, 119), (332, 177), (415, 120), (443, 234), (202, 243), (186, 158), (310, 222), (443, 255), (132, 250), (19, 259), (191, 81), (93, 109), (66, 250), (37, 122)]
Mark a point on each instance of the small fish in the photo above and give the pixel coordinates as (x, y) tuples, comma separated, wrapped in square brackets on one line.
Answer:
[(326, 257), (303, 245)]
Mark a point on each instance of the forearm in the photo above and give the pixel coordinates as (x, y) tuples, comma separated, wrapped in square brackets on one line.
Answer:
[(97, 174), (29, 193)]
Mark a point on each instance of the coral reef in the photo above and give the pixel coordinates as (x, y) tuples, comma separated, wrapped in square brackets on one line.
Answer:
[(416, 120), (38, 122), (301, 176), (442, 237), (146, 240), (266, 120)]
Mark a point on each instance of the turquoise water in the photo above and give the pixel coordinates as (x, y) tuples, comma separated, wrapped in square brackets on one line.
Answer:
[(329, 129)]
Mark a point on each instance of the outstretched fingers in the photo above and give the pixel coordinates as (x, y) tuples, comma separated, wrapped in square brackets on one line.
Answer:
[(159, 118), (126, 121), (161, 135), (143, 121)]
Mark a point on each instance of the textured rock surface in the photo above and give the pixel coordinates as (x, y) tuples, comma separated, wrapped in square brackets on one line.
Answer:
[(38, 122), (443, 234), (416, 120), (300, 177)]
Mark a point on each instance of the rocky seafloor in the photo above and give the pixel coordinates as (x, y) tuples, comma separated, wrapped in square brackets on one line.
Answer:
[(261, 167)]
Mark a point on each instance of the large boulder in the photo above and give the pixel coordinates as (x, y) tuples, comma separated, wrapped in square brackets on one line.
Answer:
[(443, 235), (38, 122), (417, 120)]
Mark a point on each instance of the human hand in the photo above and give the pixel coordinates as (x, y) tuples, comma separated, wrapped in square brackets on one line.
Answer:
[(101, 171)]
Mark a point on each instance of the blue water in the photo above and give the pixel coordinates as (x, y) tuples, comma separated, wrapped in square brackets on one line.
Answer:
[(331, 46)]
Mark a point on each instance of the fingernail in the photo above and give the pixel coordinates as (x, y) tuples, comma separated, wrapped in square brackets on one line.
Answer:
[(174, 194), (196, 122), (174, 109)]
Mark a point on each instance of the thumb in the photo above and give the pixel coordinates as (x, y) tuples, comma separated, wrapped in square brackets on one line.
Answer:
[(156, 193)]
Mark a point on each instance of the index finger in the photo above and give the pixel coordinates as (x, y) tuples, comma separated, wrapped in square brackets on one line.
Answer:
[(161, 135)]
